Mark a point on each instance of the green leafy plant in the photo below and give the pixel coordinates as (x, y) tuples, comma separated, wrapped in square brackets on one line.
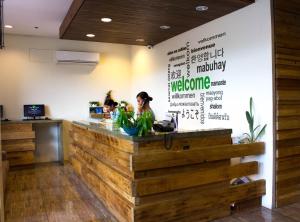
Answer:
[(252, 136), (127, 120), (144, 123)]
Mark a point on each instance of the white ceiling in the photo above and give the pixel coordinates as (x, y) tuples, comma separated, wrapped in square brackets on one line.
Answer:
[(24, 15)]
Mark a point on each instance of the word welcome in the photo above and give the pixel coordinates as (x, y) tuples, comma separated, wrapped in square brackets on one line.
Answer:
[(190, 84)]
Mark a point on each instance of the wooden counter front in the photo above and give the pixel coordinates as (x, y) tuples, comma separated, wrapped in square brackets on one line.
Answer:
[(171, 177)]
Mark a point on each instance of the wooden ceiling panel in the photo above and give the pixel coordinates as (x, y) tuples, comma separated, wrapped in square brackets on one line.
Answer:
[(133, 19)]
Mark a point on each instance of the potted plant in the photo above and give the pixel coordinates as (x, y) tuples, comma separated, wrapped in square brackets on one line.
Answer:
[(254, 132), (134, 126)]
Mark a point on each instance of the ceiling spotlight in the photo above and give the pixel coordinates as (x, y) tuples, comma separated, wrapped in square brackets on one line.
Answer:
[(36, 27), (164, 27), (90, 35), (140, 40), (8, 26), (201, 8), (106, 20)]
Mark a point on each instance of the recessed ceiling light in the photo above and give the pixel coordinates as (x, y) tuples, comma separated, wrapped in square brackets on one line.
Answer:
[(8, 26), (106, 19), (36, 27), (164, 27), (140, 40), (90, 35), (201, 8)]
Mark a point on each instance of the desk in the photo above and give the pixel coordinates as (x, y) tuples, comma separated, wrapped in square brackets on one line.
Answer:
[(178, 176), (19, 139)]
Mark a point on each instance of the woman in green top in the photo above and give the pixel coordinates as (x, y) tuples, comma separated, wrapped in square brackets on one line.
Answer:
[(143, 100)]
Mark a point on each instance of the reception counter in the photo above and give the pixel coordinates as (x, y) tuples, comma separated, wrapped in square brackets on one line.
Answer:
[(180, 176), (25, 144)]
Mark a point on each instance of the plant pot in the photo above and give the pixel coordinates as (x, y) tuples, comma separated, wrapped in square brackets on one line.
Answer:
[(133, 131)]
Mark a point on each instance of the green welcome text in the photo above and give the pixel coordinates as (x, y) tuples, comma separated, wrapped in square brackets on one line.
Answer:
[(191, 84)]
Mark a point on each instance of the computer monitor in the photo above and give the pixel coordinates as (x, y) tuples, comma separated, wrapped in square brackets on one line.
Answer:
[(33, 111), (1, 112), (97, 109)]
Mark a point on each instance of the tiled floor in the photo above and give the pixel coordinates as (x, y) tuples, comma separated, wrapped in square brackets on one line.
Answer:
[(53, 193)]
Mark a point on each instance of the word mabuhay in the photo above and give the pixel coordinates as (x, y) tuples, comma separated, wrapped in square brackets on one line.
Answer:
[(212, 66)]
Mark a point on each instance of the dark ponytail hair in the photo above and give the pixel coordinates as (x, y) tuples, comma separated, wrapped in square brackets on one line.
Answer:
[(144, 96), (109, 101)]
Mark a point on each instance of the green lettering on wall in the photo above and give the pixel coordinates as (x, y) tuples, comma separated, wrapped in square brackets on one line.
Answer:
[(191, 84)]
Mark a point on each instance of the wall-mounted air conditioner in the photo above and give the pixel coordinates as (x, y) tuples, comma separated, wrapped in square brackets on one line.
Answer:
[(89, 58)]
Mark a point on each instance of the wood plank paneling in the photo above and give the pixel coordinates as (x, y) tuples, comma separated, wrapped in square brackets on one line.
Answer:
[(183, 157), (18, 141), (15, 127), (287, 123), (291, 162), (117, 205), (287, 67), (288, 110), (182, 144), (192, 190), (29, 146), (20, 158), (188, 179), (140, 19), (116, 180), (288, 134), (248, 191), (17, 135)]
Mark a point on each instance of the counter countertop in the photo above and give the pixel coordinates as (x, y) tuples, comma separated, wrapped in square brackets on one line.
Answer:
[(101, 127), (32, 121)]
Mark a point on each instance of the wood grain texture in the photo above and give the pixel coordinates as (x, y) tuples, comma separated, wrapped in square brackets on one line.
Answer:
[(20, 158), (118, 182), (17, 135), (147, 186), (117, 205), (88, 138), (181, 144), (248, 191), (185, 186), (16, 127), (18, 142), (140, 19), (288, 110), (203, 154), (29, 146), (67, 199), (51, 193), (287, 67)]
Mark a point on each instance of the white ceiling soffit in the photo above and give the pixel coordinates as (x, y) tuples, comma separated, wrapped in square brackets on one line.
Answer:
[(25, 15)]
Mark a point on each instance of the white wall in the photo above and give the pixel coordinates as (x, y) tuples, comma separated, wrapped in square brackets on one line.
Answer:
[(64, 89), (248, 53), (67, 89)]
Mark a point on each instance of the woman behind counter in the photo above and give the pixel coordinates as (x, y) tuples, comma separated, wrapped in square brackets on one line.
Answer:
[(143, 101), (110, 106)]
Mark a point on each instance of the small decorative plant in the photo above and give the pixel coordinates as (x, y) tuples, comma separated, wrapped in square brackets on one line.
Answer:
[(126, 106), (134, 126), (253, 136)]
